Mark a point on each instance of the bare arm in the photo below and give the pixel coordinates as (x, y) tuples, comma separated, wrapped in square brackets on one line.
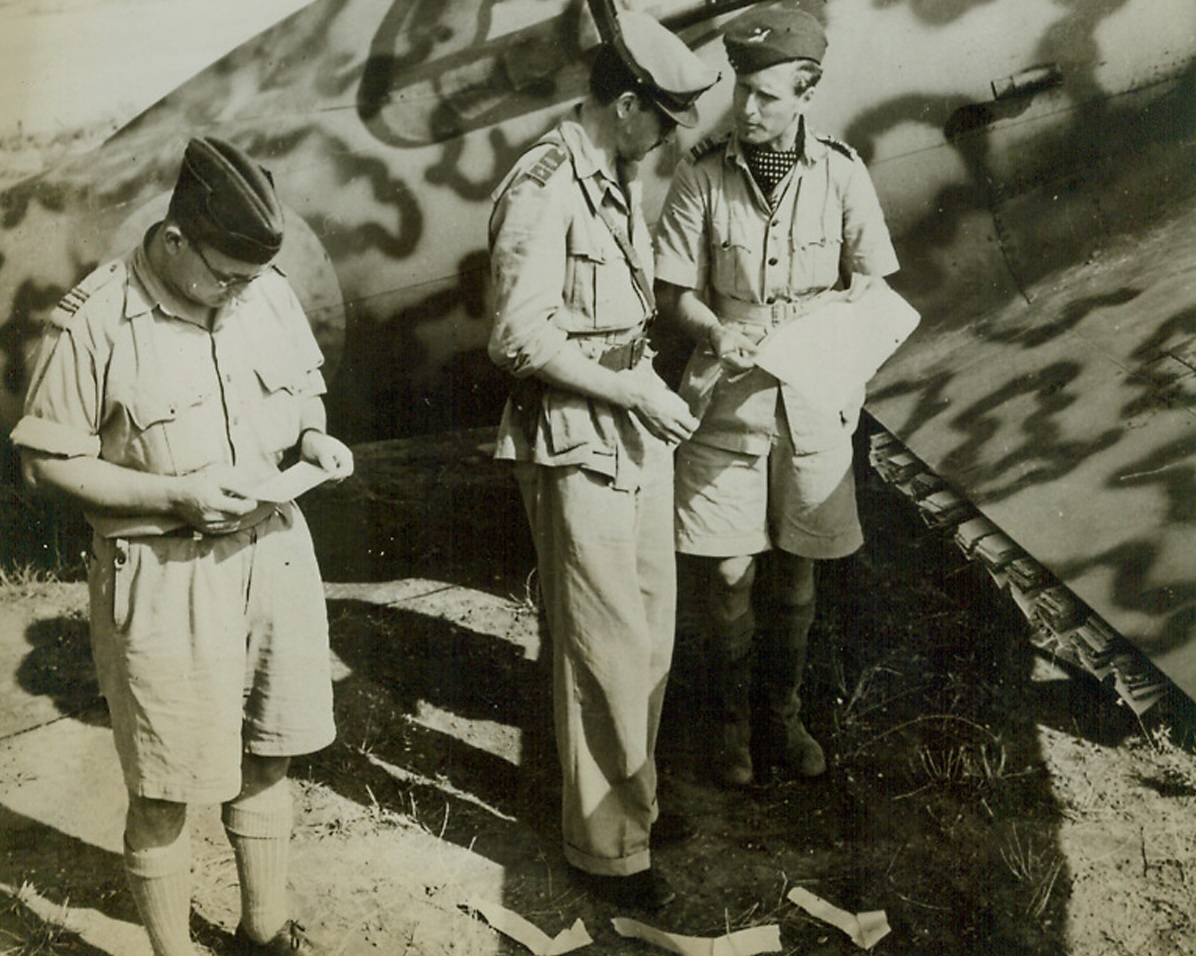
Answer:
[(734, 350), (640, 390), (205, 500)]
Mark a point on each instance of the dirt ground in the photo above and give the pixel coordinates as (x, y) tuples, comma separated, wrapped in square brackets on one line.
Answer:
[(980, 796)]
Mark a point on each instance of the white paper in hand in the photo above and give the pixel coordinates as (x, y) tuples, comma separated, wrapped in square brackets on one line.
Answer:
[(290, 484), (827, 354)]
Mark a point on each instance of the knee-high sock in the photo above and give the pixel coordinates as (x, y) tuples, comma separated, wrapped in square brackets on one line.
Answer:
[(783, 648), (259, 830), (160, 880)]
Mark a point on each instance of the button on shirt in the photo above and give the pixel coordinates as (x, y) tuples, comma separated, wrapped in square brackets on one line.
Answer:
[(122, 375), (720, 235), (561, 280)]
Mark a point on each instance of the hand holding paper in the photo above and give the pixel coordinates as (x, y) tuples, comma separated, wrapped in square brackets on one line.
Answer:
[(827, 354), (290, 484)]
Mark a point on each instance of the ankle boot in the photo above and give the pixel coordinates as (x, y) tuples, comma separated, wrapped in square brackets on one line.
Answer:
[(733, 759), (785, 740), (798, 751)]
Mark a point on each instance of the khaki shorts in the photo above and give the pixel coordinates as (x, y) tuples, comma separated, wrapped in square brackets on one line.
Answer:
[(730, 504), (206, 649)]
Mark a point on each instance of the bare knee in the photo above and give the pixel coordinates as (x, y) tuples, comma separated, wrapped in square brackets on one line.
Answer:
[(731, 587), (153, 823), (259, 774)]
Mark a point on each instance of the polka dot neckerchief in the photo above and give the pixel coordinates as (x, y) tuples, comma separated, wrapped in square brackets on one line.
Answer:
[(769, 166)]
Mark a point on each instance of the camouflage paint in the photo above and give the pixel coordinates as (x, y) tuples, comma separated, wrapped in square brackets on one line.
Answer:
[(1034, 157)]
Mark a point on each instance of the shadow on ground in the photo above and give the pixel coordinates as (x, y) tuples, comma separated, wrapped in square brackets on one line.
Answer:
[(937, 807)]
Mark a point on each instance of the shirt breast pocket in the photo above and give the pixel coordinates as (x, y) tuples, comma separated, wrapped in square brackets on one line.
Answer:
[(734, 260), (584, 262), (816, 250), (167, 431), (277, 416)]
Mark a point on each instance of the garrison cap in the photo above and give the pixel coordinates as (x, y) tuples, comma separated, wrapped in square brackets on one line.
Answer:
[(225, 200), (669, 72), (776, 34)]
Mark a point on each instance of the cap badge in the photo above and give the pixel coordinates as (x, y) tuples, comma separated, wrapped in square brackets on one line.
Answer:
[(759, 35)]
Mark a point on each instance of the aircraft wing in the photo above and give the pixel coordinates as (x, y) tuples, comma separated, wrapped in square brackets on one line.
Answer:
[(1068, 418)]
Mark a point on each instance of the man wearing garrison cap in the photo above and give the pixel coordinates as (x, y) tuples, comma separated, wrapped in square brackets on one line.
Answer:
[(170, 384), (761, 227), (591, 430)]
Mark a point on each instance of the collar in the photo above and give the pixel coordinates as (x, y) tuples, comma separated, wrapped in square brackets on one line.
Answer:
[(590, 165), (147, 291), (809, 147)]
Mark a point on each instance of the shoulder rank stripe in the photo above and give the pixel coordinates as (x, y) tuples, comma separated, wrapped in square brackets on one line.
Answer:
[(548, 164), (74, 300), (839, 145), (707, 145)]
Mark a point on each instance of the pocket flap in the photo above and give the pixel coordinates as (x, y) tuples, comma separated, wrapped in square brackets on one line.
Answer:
[(276, 375), (147, 408), (581, 244)]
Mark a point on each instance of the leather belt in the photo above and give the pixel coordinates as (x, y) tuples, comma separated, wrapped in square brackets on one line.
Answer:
[(767, 313), (627, 355)]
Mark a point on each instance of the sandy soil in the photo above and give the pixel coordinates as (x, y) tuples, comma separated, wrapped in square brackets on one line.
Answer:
[(982, 798)]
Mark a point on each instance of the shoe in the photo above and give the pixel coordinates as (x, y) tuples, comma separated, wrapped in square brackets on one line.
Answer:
[(645, 890), (672, 829), (801, 752), (733, 759), (290, 939)]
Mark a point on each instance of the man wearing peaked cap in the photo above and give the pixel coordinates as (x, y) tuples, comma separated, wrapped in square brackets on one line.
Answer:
[(763, 228), (591, 431), (170, 386)]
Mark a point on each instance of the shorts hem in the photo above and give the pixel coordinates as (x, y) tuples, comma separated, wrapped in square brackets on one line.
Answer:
[(722, 547), (291, 745), (822, 549), (172, 793)]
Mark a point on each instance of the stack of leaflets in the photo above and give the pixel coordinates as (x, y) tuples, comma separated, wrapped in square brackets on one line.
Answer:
[(897, 466), (1058, 610), (969, 534), (944, 509), (997, 551), (1097, 646), (920, 485), (1028, 574), (1141, 688)]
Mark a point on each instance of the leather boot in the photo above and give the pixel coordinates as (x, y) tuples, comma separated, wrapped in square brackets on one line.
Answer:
[(798, 751), (782, 663), (732, 764)]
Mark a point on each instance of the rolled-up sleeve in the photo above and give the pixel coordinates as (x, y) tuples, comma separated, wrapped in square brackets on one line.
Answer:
[(868, 248), (527, 262), (62, 409), (681, 233)]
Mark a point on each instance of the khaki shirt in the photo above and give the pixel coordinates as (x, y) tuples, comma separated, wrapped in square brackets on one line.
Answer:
[(561, 280), (121, 375), (719, 235)]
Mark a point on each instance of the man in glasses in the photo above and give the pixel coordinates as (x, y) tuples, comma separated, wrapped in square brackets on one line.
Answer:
[(169, 385), (591, 430)]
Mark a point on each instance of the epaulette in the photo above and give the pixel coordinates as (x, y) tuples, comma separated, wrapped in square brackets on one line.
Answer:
[(547, 164), (839, 145), (74, 300), (708, 144)]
